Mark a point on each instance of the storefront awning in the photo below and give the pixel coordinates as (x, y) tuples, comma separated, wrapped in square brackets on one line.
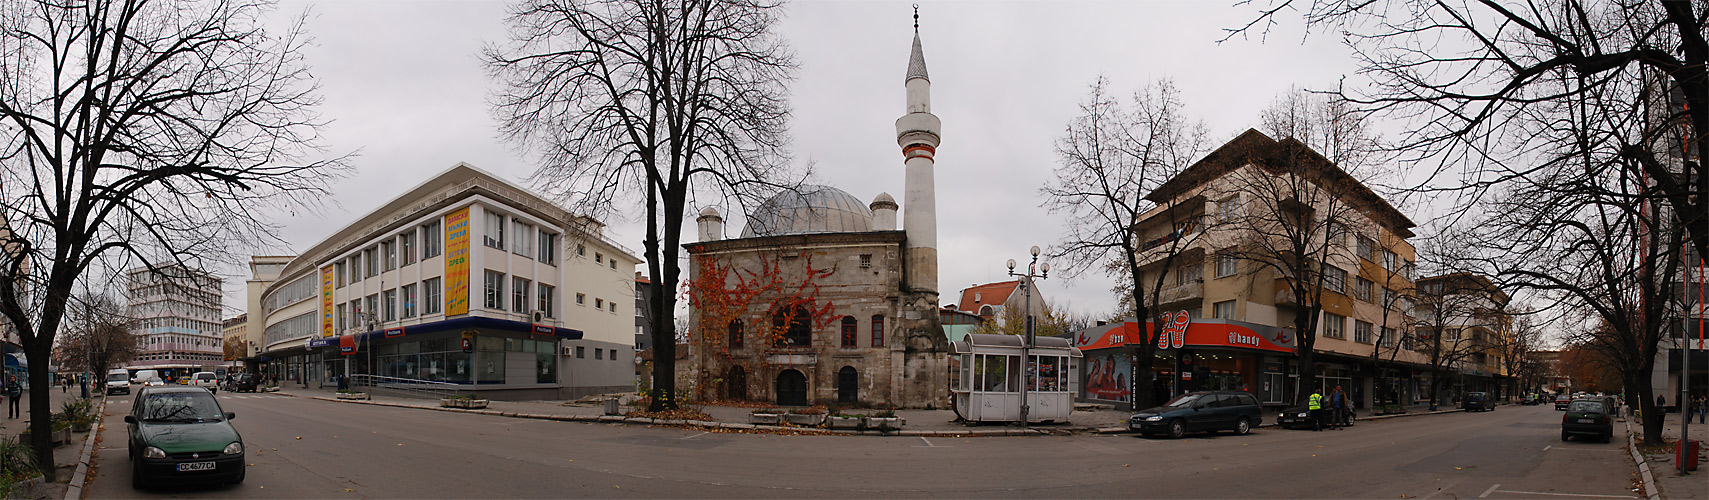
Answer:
[(453, 325), (1196, 333)]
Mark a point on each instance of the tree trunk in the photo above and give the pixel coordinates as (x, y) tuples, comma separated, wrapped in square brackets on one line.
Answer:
[(41, 425)]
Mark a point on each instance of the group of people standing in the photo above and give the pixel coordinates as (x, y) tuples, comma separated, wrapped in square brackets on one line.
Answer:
[(1334, 411)]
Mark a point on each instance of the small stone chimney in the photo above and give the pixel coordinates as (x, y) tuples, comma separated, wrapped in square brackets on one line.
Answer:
[(884, 212)]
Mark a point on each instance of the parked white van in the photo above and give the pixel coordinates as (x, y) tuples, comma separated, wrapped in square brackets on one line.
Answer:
[(143, 376), (118, 381)]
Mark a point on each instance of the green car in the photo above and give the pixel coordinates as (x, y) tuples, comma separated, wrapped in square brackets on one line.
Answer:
[(179, 435)]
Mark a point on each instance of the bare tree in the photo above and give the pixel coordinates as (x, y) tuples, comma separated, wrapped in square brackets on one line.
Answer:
[(99, 336), (153, 131), (1458, 317), (671, 98), (1518, 350), (1111, 159)]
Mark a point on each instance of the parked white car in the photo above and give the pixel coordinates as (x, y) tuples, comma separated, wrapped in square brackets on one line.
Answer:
[(206, 380)]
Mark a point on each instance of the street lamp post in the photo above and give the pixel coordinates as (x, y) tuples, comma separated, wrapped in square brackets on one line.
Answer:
[(1043, 271)]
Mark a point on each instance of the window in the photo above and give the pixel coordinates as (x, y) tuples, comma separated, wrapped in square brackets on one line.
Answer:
[(1406, 270), (581, 250), (494, 290), (581, 352), (613, 306), (1335, 279), (1334, 326), (494, 236), (338, 274), (1228, 209), (406, 243), (1367, 248), (430, 238), (430, 296), (546, 300), (409, 300), (1390, 261), (391, 305), (1453, 335), (1388, 337), (341, 322), (390, 250), (548, 248), (581, 299), (734, 332), (865, 260), (1362, 288), (599, 303), (598, 353), (519, 288), (1190, 273), (1362, 331), (523, 235), (1388, 298), (1223, 310), (795, 324), (598, 258), (1226, 265), (613, 263), (371, 261), (878, 330), (849, 327), (373, 308)]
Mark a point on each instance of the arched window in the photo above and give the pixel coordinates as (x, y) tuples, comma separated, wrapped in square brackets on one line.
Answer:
[(849, 331), (735, 329), (878, 330), (796, 325)]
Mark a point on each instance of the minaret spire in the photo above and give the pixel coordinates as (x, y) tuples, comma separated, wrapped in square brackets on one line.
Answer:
[(919, 132)]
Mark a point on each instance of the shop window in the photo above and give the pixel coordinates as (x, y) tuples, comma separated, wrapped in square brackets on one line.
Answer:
[(598, 353)]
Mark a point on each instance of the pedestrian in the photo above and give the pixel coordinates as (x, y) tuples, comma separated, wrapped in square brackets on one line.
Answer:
[(1661, 404), (1315, 406), (1338, 408), (83, 385), (14, 392), (1702, 408)]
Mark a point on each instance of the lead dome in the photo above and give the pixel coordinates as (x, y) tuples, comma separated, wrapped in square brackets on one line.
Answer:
[(811, 209)]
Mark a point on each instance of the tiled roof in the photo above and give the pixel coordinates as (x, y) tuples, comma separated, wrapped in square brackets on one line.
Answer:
[(994, 294)]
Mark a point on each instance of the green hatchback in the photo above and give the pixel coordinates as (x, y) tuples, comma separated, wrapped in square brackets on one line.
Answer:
[(179, 435)]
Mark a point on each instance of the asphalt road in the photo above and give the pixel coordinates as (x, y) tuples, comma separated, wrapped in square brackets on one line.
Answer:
[(362, 451)]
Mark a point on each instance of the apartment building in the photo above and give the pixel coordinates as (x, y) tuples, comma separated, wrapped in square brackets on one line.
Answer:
[(1223, 239), (1463, 326), (465, 279), (177, 316)]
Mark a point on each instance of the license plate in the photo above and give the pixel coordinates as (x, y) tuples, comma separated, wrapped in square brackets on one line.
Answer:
[(190, 466), (1587, 420)]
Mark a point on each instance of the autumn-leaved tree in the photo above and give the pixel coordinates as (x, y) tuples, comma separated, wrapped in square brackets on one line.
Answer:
[(141, 133), (654, 102), (99, 337)]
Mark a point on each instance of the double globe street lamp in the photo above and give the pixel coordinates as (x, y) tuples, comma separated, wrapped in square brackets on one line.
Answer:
[(1029, 369)]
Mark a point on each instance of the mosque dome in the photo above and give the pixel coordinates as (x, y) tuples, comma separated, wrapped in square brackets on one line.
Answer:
[(811, 209)]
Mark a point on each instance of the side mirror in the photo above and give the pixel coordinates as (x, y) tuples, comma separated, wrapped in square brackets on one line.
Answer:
[(130, 419), (230, 415)]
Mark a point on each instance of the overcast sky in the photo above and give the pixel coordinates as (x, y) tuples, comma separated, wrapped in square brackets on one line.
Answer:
[(403, 85)]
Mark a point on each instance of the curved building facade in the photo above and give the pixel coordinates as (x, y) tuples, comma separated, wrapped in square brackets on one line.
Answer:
[(465, 279)]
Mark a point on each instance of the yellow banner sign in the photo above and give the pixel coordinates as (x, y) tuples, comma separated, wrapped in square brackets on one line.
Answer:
[(457, 262), (326, 302)]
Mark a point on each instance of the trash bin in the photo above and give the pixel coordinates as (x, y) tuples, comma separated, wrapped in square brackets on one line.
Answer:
[(611, 407), (1687, 454)]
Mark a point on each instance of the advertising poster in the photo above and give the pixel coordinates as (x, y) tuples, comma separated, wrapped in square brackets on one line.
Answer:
[(457, 262), (326, 302), (1107, 377)]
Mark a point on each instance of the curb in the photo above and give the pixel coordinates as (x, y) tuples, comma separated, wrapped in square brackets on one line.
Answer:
[(615, 419), (74, 490), (1643, 466)]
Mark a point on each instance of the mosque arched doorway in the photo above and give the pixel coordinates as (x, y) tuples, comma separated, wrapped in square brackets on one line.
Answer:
[(736, 384), (848, 385), (791, 388)]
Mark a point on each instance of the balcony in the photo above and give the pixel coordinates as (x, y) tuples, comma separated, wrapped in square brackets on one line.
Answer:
[(1182, 293)]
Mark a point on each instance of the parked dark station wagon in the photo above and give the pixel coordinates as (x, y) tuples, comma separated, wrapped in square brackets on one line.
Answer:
[(1199, 412)]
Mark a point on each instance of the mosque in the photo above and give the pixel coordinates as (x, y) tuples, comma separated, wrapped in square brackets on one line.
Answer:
[(823, 299)]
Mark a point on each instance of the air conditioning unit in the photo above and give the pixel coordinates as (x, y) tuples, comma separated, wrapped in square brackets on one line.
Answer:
[(539, 316)]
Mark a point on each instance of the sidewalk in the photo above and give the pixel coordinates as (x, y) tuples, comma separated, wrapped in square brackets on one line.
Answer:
[(1668, 479), (918, 422)]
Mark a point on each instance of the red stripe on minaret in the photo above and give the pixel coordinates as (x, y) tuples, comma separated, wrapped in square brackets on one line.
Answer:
[(918, 150)]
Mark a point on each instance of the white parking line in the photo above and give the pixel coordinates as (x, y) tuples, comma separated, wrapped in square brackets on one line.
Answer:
[(1490, 490), (1579, 495), (929, 444), (696, 435)]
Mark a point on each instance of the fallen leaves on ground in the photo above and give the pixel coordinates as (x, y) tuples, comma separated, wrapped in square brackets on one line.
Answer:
[(677, 414)]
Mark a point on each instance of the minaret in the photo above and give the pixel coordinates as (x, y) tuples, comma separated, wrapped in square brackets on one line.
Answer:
[(917, 132)]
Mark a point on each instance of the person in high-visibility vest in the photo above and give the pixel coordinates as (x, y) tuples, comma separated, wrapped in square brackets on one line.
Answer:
[(1315, 404)]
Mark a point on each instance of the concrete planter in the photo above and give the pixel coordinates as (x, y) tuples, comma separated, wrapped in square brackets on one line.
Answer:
[(82, 426), (472, 404), (62, 436), (884, 424), (765, 418), (359, 396), (810, 420), (842, 423)]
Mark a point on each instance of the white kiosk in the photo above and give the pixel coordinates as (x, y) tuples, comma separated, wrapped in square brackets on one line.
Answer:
[(984, 378)]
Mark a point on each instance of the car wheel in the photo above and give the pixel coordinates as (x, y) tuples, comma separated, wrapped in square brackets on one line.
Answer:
[(137, 481), (1565, 436), (1177, 429), (1607, 437), (1242, 427)]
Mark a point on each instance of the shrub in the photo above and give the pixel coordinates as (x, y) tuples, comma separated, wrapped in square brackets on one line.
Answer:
[(17, 463)]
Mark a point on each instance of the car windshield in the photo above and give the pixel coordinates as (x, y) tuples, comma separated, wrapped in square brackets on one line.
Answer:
[(1585, 407), (117, 377), (180, 407), (205, 376), (1183, 401)]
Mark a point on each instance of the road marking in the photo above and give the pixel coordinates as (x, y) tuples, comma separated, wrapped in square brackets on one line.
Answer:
[(1490, 490), (696, 435), (929, 444), (1581, 495), (1546, 448)]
